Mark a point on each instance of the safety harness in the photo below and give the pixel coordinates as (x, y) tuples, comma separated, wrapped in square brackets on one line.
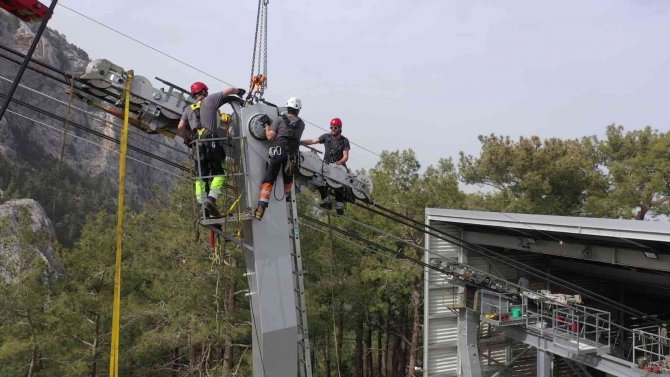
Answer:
[(288, 146), (201, 132), (199, 129)]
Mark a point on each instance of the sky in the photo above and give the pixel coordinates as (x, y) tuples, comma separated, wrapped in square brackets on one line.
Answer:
[(430, 75)]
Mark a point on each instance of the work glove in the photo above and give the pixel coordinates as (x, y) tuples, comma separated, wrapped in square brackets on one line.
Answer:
[(240, 92), (265, 120), (187, 140)]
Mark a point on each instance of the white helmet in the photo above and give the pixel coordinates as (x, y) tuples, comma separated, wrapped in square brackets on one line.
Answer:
[(294, 102)]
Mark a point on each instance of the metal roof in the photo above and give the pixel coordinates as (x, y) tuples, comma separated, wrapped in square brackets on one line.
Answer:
[(658, 231)]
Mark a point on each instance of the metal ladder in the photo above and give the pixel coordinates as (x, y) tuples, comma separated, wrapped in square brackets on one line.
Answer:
[(304, 351)]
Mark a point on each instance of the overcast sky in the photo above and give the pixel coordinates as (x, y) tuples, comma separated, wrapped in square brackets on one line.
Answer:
[(430, 75)]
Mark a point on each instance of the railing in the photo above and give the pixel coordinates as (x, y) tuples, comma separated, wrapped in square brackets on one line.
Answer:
[(648, 349), (586, 329), (579, 328), (497, 309)]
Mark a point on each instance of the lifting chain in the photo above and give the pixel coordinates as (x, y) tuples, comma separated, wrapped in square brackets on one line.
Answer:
[(259, 74)]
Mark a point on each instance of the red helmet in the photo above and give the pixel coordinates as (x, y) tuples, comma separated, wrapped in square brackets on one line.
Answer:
[(336, 122), (197, 87)]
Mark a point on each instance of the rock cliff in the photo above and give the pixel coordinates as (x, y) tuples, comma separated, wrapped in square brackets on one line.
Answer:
[(26, 233)]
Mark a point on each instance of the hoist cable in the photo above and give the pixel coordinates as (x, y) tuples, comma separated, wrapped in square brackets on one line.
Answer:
[(147, 45)]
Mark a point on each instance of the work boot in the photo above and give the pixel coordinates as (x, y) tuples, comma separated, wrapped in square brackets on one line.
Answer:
[(210, 206), (201, 207), (326, 205), (259, 212)]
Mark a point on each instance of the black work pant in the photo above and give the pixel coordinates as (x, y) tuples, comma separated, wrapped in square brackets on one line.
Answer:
[(210, 159), (338, 192), (272, 168)]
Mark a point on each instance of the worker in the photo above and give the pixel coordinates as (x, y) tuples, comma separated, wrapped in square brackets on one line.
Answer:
[(285, 132), (202, 119), (336, 152)]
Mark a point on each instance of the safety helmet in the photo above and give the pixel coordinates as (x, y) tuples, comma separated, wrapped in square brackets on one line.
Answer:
[(294, 102), (197, 87), (336, 122)]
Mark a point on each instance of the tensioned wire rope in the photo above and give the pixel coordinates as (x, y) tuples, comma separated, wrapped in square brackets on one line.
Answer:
[(432, 231), (375, 248), (203, 72), (382, 254), (508, 262), (490, 254), (519, 266), (135, 134), (372, 245), (419, 263), (148, 139), (66, 81), (160, 156), (182, 62), (105, 137), (398, 254), (97, 133), (223, 81), (169, 56), (38, 122)]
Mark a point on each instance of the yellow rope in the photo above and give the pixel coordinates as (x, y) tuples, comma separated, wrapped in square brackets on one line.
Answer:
[(114, 353)]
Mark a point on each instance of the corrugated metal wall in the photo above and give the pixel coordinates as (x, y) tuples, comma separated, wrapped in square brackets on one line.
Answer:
[(440, 322)]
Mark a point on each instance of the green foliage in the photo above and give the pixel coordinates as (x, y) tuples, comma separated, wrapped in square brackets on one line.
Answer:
[(179, 310), (65, 194), (638, 163), (24, 303), (553, 176)]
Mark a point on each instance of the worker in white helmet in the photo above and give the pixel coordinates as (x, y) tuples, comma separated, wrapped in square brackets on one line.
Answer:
[(285, 133)]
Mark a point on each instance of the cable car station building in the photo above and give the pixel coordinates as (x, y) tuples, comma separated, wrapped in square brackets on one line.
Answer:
[(591, 299)]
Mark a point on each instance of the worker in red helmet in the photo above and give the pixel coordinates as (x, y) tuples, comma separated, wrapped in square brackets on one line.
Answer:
[(200, 120), (336, 152)]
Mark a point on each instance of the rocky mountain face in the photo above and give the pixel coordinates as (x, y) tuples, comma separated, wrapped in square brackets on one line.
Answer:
[(92, 161), (31, 140), (26, 233)]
